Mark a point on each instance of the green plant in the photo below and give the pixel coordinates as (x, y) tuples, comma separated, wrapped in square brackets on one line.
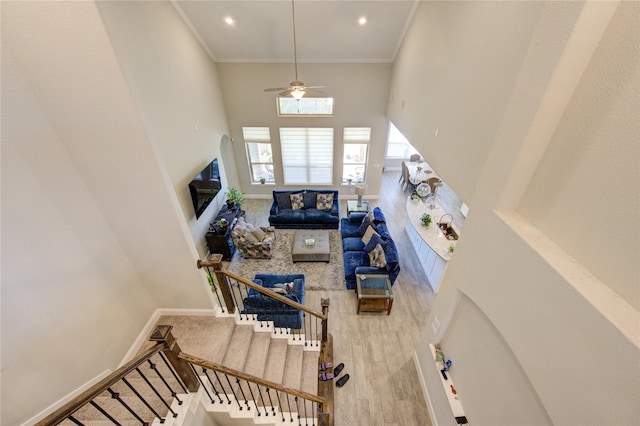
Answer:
[(415, 196), (234, 194), (451, 249), (212, 280), (426, 219), (263, 180)]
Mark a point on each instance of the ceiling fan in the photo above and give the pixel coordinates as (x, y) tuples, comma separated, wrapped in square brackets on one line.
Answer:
[(296, 88)]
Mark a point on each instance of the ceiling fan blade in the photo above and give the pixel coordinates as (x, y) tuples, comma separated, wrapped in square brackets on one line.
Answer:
[(275, 89), (286, 92), (314, 87), (314, 91)]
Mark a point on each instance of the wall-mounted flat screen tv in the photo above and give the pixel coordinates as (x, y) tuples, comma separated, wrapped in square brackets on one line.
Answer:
[(205, 186)]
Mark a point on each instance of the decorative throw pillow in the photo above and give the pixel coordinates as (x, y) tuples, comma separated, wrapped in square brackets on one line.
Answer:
[(309, 200), (285, 288), (364, 225), (249, 237), (370, 232), (258, 233), (370, 216), (282, 200), (325, 202), (297, 201), (376, 257)]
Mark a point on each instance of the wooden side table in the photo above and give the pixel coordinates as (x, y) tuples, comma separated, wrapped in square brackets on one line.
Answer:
[(374, 293)]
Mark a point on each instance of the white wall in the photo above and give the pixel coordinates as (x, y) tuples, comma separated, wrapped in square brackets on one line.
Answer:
[(94, 236), (360, 92), (564, 329), (454, 73), (177, 89)]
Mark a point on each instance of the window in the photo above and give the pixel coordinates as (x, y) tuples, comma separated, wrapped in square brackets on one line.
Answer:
[(354, 161), (288, 107), (398, 146), (307, 155), (258, 144)]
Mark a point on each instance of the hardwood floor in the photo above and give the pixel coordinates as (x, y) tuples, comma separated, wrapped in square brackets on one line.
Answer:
[(377, 349)]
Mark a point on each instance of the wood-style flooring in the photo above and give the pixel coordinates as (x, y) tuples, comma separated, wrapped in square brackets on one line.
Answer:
[(377, 349)]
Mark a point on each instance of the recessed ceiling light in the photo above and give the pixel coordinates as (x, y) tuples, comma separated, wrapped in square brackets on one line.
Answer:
[(229, 20), (362, 21)]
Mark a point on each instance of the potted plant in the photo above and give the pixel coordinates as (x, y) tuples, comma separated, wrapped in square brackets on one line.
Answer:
[(263, 180), (415, 197), (234, 196), (426, 219), (451, 249)]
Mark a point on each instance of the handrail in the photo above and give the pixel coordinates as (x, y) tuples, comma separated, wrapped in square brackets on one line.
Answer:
[(85, 397), (250, 378)]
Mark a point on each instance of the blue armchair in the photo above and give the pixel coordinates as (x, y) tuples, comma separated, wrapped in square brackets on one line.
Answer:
[(270, 309)]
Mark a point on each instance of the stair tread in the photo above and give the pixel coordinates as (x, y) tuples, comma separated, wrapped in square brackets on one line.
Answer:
[(293, 366), (238, 347), (257, 354), (276, 359)]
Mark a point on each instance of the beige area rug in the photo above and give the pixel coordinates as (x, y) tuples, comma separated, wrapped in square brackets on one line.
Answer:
[(318, 275)]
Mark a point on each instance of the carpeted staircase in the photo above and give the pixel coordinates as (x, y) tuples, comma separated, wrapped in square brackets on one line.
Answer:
[(252, 347)]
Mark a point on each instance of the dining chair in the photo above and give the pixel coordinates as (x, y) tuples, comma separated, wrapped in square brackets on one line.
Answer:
[(401, 179), (414, 158), (407, 182)]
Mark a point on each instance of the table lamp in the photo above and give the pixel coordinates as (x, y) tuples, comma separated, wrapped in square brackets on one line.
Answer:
[(361, 189)]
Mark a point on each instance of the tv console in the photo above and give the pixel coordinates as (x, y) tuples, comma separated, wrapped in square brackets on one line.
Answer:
[(218, 239)]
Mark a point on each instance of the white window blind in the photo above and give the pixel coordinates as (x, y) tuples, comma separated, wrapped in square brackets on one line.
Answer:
[(307, 155), (256, 134), (357, 134)]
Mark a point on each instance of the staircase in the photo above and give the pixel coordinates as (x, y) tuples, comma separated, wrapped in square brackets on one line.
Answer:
[(251, 347), (258, 349), (234, 368)]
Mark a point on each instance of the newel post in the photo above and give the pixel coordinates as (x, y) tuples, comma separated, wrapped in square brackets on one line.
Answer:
[(162, 333), (215, 261), (325, 322)]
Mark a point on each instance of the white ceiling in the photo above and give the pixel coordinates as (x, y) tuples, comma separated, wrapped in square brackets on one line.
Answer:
[(326, 30)]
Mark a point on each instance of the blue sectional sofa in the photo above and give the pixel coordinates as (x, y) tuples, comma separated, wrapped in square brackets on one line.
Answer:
[(269, 309), (312, 212), (356, 253)]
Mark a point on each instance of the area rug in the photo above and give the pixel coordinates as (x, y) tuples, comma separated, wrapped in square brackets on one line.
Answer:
[(318, 275)]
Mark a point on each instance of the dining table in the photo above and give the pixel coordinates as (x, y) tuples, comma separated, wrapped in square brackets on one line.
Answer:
[(424, 173)]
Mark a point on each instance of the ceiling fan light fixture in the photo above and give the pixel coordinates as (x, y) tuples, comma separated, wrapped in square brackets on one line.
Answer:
[(297, 94)]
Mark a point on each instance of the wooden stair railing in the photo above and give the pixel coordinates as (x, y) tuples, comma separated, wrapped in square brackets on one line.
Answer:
[(165, 344), (185, 367), (293, 400)]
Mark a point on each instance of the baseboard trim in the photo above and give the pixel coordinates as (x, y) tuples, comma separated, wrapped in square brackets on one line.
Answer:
[(153, 319), (59, 403), (425, 391)]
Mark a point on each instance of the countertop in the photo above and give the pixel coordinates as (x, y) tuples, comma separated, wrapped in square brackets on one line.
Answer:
[(432, 235)]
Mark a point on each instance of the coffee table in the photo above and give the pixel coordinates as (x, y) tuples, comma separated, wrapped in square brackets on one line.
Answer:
[(318, 252), (353, 207), (374, 293)]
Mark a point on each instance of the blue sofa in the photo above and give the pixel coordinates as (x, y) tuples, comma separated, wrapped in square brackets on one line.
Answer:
[(283, 216), (356, 253), (269, 309)]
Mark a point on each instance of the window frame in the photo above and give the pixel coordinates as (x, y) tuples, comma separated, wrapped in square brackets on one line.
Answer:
[(355, 136), (304, 100), (258, 136)]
